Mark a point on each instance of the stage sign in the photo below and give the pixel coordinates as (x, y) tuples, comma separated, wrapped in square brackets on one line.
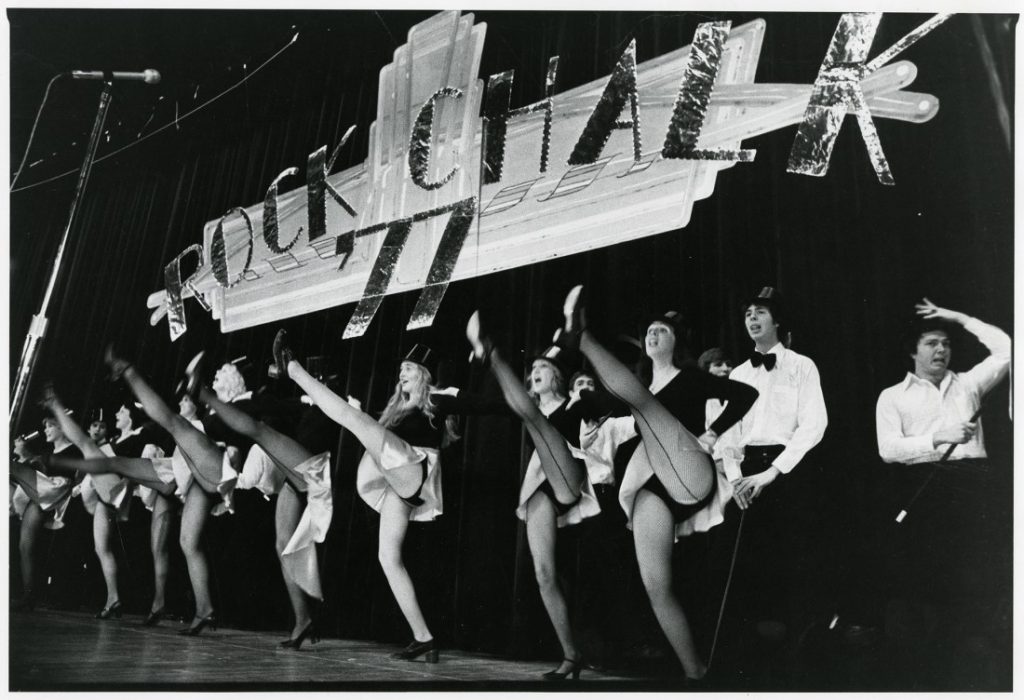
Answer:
[(459, 183)]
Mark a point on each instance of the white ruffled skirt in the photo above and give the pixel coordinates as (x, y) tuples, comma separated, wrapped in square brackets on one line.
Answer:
[(111, 489), (54, 495), (298, 559), (586, 507), (639, 470), (175, 470), (372, 482)]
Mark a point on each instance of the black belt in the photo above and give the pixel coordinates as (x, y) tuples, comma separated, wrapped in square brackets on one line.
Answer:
[(758, 458)]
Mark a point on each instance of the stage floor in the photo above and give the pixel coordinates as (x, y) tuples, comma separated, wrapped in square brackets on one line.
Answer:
[(52, 650)]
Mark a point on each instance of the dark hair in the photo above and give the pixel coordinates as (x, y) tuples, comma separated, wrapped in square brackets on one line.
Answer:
[(711, 356), (138, 417), (774, 307), (581, 373), (917, 327), (681, 356)]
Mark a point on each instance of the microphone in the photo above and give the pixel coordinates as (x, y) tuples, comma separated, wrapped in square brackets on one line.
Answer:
[(149, 75), (36, 433)]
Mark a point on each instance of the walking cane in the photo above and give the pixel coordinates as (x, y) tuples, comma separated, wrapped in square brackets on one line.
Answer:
[(725, 592)]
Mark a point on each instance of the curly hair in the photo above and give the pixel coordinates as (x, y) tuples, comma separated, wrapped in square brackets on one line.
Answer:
[(231, 380)]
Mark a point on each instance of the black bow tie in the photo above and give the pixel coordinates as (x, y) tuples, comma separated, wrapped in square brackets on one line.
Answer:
[(768, 360)]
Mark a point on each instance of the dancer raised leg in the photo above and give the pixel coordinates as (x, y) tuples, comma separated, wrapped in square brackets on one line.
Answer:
[(286, 454), (399, 474), (670, 488)]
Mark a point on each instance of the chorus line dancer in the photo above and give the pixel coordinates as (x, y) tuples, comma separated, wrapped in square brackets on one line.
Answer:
[(157, 485), (40, 500), (670, 488), (303, 507), (106, 497), (556, 491), (399, 475), (202, 473)]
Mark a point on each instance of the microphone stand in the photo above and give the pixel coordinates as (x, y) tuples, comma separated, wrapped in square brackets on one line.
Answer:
[(37, 329)]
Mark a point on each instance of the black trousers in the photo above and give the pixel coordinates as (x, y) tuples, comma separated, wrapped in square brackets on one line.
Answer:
[(953, 550)]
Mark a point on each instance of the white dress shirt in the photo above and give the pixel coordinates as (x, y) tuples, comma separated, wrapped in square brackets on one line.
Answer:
[(712, 410), (909, 414), (598, 444), (789, 411)]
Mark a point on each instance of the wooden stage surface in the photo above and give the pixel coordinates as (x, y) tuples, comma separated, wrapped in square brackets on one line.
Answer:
[(50, 650)]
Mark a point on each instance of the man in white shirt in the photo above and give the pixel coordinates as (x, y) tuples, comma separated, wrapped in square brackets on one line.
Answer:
[(789, 416), (932, 408), (949, 556), (760, 455)]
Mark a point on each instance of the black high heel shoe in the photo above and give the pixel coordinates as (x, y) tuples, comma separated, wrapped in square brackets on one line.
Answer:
[(282, 356), (154, 617), (193, 381), (307, 631), (575, 666), (482, 346), (575, 319), (117, 365), (428, 650), (110, 611), (208, 621)]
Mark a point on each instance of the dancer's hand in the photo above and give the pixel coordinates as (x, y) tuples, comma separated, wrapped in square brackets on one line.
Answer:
[(708, 440), (926, 309), (747, 489), (21, 449), (49, 398)]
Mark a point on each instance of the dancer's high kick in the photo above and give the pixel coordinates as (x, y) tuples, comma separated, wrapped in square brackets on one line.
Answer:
[(205, 476), (555, 490), (399, 475), (306, 476), (106, 496), (670, 487)]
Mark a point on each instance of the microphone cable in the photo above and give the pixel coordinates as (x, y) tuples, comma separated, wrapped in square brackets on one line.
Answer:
[(35, 123)]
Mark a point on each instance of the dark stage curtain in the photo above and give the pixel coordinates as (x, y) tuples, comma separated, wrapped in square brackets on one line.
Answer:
[(850, 255)]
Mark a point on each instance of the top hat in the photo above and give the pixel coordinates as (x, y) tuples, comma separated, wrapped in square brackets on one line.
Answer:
[(562, 358), (97, 415), (424, 357), (672, 319), (768, 297), (320, 366)]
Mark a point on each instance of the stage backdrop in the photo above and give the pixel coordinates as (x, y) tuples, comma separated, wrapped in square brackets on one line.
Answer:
[(850, 255)]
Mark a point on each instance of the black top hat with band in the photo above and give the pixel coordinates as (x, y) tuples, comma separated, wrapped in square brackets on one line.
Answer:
[(672, 319), (768, 297), (424, 357), (564, 359)]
